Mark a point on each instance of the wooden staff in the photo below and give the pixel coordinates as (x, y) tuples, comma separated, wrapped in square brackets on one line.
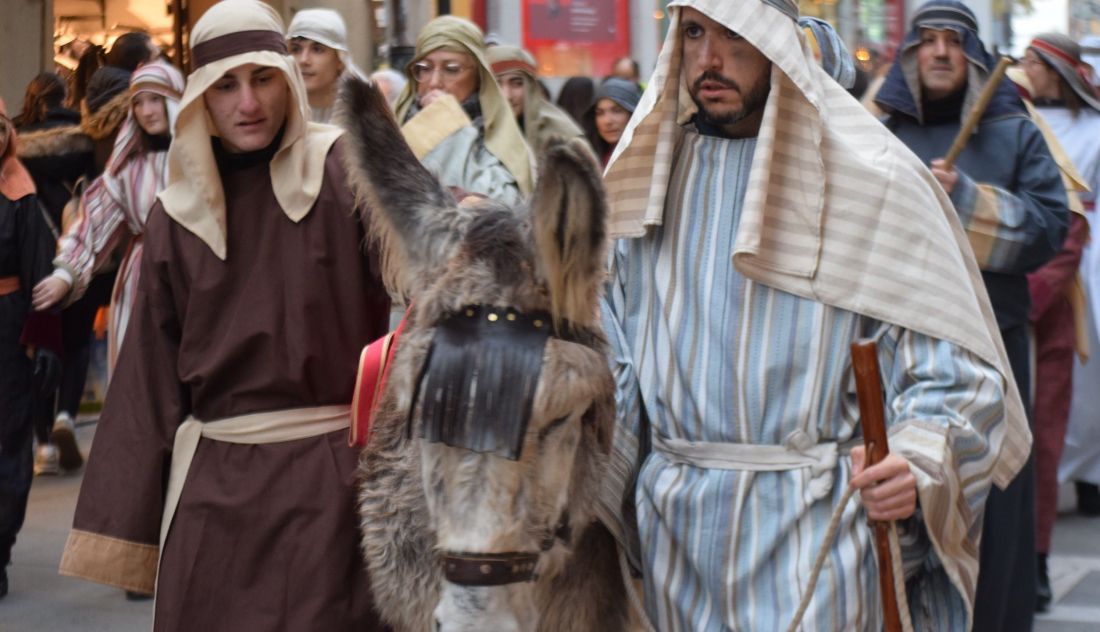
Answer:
[(976, 113), (869, 391)]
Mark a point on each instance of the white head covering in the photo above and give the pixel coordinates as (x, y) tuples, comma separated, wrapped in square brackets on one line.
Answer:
[(837, 210), (230, 34), (325, 26)]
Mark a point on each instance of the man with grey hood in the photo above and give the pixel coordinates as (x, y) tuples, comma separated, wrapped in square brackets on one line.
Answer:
[(1008, 193)]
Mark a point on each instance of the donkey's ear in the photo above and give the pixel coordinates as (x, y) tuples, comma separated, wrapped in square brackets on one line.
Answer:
[(408, 206), (569, 215), (381, 165)]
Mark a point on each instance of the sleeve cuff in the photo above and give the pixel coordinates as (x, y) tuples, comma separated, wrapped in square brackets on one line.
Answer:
[(963, 196), (128, 565), (946, 518), (64, 275)]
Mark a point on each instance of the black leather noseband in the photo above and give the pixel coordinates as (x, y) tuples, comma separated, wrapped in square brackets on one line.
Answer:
[(489, 569)]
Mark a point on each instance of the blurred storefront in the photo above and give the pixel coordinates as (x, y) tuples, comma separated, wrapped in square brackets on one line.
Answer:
[(365, 19), (576, 37), (1084, 18), (50, 35), (100, 22), (872, 29), (567, 37)]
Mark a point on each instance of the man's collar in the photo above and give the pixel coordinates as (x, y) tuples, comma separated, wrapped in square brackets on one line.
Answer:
[(230, 161), (949, 109), (707, 129)]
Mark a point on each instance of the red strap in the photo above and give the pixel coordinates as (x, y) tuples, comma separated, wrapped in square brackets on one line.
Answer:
[(374, 366), (1051, 49)]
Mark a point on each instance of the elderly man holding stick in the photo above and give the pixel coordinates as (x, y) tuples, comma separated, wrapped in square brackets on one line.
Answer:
[(767, 221), (1009, 195)]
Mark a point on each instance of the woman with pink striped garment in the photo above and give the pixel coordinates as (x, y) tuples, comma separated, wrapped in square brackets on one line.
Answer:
[(115, 205)]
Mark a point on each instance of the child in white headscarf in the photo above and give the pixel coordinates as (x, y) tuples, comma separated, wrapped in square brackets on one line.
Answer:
[(318, 40)]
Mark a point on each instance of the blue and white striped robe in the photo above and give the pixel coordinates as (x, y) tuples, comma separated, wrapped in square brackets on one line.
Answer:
[(716, 357)]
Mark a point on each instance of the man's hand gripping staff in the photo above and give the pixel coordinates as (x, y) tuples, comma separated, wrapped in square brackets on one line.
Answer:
[(888, 490), (887, 487)]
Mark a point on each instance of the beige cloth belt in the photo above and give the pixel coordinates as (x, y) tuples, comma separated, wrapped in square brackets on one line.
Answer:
[(799, 451), (268, 427)]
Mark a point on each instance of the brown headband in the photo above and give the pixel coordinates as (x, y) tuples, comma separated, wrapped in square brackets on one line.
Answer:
[(512, 64), (231, 44)]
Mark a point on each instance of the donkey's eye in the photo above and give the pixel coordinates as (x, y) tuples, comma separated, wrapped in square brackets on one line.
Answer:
[(552, 426)]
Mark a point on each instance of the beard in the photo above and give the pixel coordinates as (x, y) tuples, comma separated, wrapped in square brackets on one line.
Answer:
[(751, 101)]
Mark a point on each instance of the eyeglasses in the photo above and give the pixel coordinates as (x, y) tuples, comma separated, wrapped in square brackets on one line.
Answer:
[(452, 71)]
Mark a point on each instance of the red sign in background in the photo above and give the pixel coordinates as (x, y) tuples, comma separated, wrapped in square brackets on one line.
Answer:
[(576, 37)]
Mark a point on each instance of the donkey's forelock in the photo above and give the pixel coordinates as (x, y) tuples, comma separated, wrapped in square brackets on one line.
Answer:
[(495, 237)]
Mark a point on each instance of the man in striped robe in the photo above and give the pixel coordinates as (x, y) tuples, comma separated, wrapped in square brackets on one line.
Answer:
[(766, 221)]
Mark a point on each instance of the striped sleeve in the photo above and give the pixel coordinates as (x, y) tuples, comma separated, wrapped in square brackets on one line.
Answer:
[(100, 227), (618, 512), (946, 406), (1016, 231)]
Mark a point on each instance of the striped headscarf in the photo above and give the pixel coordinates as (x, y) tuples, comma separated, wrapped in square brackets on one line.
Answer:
[(837, 210), (1090, 54), (788, 8), (542, 120), (830, 50), (1063, 54), (158, 78)]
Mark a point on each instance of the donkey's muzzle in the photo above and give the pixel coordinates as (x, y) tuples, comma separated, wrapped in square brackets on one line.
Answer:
[(489, 569)]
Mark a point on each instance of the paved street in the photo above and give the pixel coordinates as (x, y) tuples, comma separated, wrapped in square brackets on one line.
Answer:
[(41, 600)]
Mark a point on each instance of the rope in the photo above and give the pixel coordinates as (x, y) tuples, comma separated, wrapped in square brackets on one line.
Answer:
[(632, 592), (899, 580), (823, 552)]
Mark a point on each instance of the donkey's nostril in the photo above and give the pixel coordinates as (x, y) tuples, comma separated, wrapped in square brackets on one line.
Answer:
[(438, 626)]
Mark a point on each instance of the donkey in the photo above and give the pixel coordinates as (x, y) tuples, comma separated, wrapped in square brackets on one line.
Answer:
[(490, 439)]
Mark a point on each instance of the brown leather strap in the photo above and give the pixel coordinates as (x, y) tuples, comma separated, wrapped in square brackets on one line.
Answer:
[(489, 569), (231, 44), (9, 285)]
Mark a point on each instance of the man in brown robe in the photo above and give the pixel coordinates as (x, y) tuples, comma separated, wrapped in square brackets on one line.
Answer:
[(221, 475)]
